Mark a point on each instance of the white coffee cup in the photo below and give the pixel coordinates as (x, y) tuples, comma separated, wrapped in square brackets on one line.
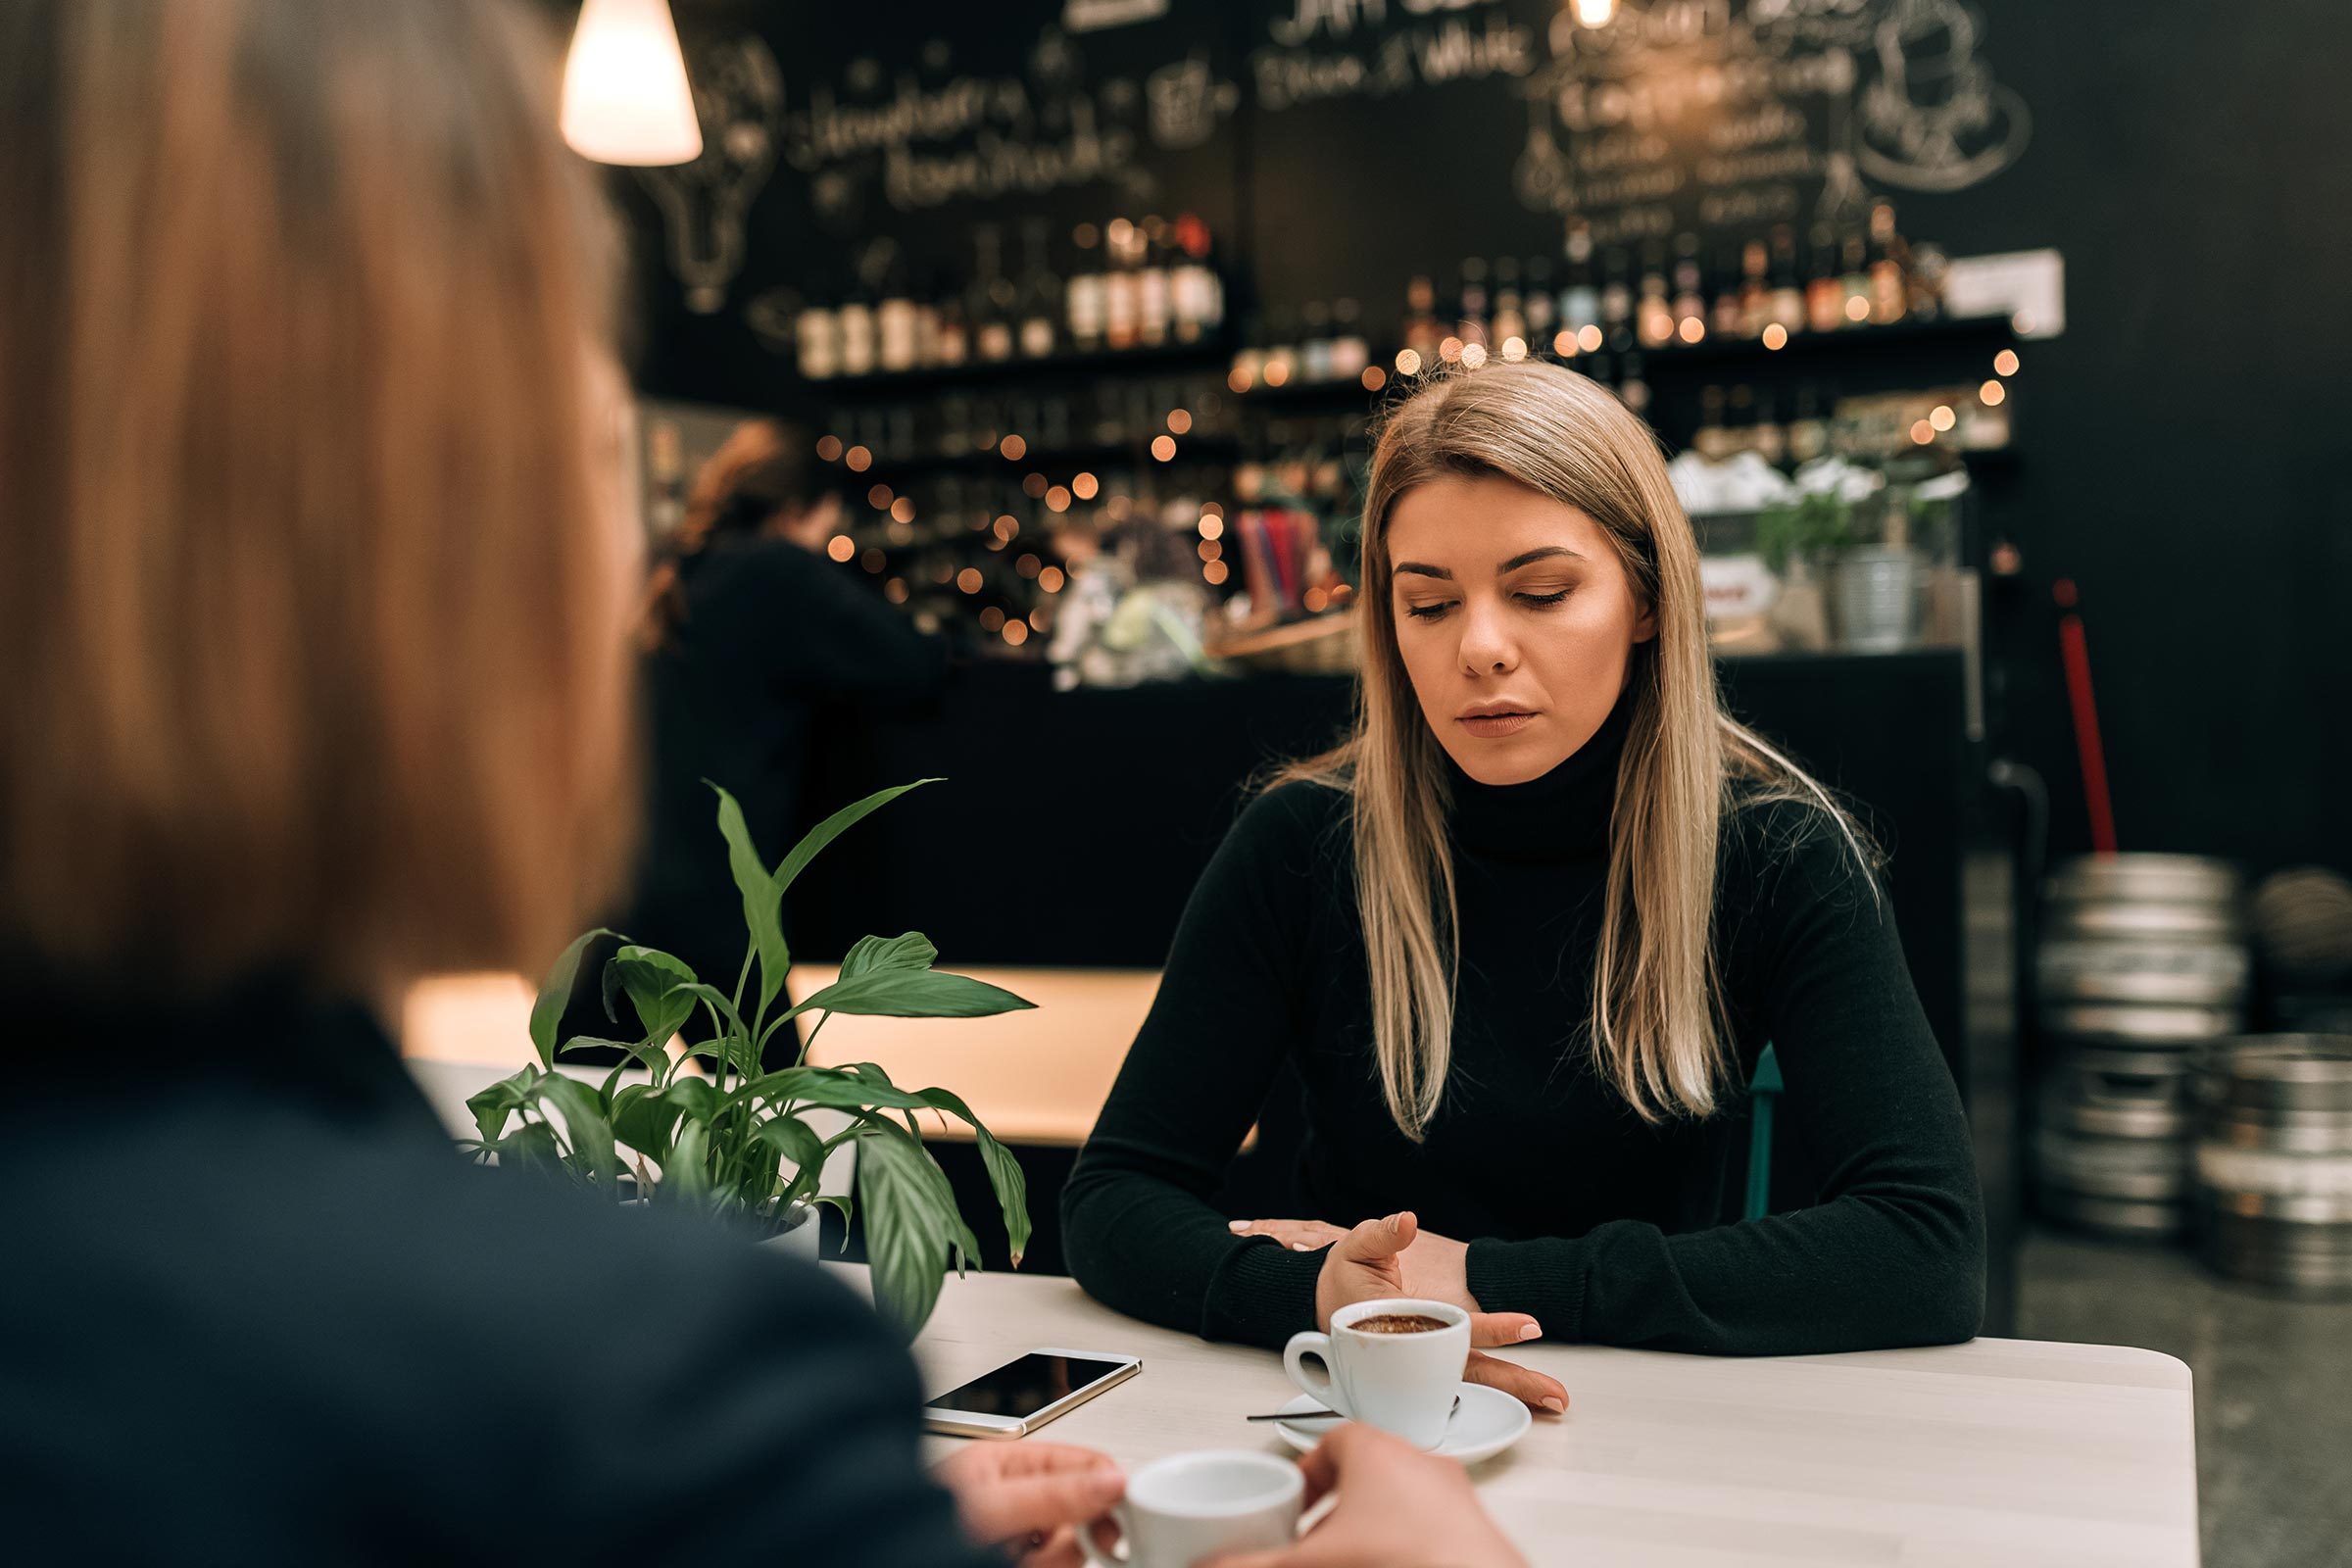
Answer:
[(1191, 1507), (1400, 1383)]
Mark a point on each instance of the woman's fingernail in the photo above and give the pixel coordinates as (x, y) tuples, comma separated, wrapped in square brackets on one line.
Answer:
[(1558, 1406), (1534, 1331), (1236, 1226), (1300, 1246)]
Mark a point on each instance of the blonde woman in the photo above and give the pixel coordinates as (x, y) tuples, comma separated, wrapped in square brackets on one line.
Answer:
[(1525, 936)]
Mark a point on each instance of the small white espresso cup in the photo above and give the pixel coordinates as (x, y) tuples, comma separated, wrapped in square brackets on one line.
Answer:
[(1400, 1383), (1191, 1507)]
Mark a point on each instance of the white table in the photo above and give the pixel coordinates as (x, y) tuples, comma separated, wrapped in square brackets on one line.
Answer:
[(2014, 1452)]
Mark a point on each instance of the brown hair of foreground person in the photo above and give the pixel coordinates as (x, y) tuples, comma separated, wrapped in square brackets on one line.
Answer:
[(314, 610)]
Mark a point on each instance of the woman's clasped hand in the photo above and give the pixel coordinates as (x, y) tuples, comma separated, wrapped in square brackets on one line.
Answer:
[(1394, 1257)]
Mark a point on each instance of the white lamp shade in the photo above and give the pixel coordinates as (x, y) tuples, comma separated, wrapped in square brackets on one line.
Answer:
[(626, 98)]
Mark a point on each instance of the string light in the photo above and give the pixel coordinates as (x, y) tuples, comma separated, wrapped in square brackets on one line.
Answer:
[(991, 618), (1776, 337), (1034, 485), (1408, 363), (1588, 338), (2005, 363), (1693, 329), (1276, 371), (1057, 498), (895, 590), (1013, 448), (1164, 447), (1450, 350), (1514, 349), (1374, 378), (874, 561), (1050, 581), (1942, 417), (1563, 343), (1241, 381), (1028, 566), (903, 509), (1474, 354), (1213, 527), (1857, 309), (968, 579), (1314, 599), (1213, 572), (1991, 394), (1085, 487), (1210, 550), (1016, 632), (1595, 12), (829, 448), (1922, 432), (859, 459), (841, 546), (1179, 421)]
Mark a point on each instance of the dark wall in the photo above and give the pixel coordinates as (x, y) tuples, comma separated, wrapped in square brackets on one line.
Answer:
[(2181, 452)]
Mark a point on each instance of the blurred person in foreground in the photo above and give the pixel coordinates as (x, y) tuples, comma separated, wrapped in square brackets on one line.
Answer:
[(316, 637)]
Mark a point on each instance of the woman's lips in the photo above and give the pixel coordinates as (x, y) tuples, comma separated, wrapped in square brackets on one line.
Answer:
[(1493, 726)]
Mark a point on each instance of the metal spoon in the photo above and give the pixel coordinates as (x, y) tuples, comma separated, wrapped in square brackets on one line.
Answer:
[(1328, 1415)]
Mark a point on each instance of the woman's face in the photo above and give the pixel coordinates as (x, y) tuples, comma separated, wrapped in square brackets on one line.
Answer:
[(1515, 619)]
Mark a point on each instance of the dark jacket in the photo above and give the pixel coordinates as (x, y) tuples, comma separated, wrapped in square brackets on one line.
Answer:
[(255, 1308), (772, 636)]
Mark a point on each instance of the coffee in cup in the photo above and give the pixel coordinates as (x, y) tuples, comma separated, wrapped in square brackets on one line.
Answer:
[(1396, 1364), (1191, 1507)]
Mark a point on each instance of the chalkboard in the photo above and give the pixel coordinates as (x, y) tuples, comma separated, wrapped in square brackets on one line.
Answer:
[(1335, 147)]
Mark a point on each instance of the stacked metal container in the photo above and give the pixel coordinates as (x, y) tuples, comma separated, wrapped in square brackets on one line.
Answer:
[(2275, 1160), (2143, 961)]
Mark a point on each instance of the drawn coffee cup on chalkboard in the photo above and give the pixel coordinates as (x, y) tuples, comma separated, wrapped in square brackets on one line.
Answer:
[(1934, 118), (739, 98), (1183, 100)]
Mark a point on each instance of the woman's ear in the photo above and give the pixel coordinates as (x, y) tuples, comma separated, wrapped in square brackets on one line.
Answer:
[(1645, 620)]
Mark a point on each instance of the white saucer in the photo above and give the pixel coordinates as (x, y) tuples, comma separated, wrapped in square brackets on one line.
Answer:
[(1487, 1422)]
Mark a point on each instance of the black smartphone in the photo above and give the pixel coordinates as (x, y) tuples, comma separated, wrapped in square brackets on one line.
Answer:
[(1014, 1399)]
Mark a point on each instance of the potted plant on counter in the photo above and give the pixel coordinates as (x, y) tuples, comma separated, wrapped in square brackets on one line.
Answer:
[(735, 1140)]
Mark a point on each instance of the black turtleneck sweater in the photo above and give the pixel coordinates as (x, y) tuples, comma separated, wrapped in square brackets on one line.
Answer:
[(1608, 1229)]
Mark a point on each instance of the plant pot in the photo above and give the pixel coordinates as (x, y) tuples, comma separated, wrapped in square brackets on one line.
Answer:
[(1878, 599), (795, 1232)]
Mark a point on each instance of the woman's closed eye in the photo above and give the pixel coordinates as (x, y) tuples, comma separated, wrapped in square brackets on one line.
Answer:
[(1532, 600)]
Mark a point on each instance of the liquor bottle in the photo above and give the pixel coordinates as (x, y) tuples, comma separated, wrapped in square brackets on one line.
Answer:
[(926, 320), (1808, 432), (1653, 315), (1857, 277), (1314, 342), (1730, 309), (1580, 293), (1153, 309), (1633, 386), (1422, 331), (1755, 289), (1825, 290), (1197, 297), (1039, 310), (1740, 421), (1889, 288), (1771, 442), (898, 346), (992, 298), (1509, 321), (817, 342), (1788, 304), (855, 321), (1123, 308), (1617, 302), (1540, 306), (1710, 441), (1349, 353), (952, 341), (1690, 290), (1083, 296), (1472, 317)]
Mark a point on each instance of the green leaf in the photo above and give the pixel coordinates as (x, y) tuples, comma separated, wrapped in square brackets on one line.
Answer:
[(793, 1139), (1004, 1175), (840, 1202), (914, 993), (645, 1121), (686, 1175), (656, 984), (532, 1149), (584, 1128), (832, 827), (555, 995), (697, 1097), (833, 1087), (911, 1223), (873, 954), (491, 1106), (763, 899)]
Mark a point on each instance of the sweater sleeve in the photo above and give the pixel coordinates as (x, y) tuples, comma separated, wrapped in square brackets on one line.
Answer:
[(818, 634), (1894, 1253), (1138, 1229)]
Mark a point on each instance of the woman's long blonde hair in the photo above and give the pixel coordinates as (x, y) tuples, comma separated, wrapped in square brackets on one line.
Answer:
[(1657, 1028)]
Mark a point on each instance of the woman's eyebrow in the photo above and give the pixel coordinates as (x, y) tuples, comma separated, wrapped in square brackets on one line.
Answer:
[(1545, 554)]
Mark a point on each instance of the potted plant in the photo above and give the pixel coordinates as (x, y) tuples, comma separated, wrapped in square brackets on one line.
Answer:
[(1797, 540), (734, 1142)]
